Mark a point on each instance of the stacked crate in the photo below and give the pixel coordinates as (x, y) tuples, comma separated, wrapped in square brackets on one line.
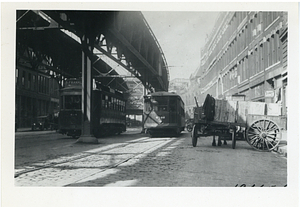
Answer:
[(233, 111), (237, 111)]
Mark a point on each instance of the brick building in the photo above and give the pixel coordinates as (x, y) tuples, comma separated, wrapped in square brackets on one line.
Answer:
[(245, 54), (37, 94)]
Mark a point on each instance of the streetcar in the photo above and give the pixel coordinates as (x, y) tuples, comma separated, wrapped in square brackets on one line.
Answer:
[(108, 109), (163, 114)]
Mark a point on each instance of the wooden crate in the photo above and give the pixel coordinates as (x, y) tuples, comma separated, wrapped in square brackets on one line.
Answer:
[(236, 111), (242, 111), (256, 108), (225, 111), (232, 109), (273, 109)]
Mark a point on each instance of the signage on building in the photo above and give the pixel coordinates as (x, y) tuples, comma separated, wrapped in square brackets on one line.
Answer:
[(269, 94), (72, 82)]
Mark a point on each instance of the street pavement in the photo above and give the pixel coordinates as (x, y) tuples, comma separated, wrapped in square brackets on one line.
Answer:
[(134, 159), (280, 149)]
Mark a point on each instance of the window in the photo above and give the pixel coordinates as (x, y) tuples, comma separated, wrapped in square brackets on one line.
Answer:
[(47, 85), (256, 53), (271, 51), (114, 103), (118, 104), (72, 102), (34, 82), (121, 105), (160, 103), (44, 85), (109, 102), (39, 84), (278, 44), (103, 101), (173, 104), (29, 81), (23, 78), (261, 57), (274, 52)]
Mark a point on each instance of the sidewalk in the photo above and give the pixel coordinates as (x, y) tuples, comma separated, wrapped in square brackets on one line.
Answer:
[(23, 129), (27, 132), (282, 147), (134, 129)]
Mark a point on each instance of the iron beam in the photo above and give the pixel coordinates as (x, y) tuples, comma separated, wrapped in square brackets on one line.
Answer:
[(86, 96), (138, 55)]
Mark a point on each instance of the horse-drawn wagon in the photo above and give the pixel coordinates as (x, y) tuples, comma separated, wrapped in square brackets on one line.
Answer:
[(258, 122)]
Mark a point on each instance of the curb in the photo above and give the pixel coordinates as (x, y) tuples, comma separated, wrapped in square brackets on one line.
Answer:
[(282, 150), (23, 129)]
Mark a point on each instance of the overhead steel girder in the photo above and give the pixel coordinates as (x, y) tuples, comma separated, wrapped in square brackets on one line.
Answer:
[(128, 32), (131, 32), (117, 60), (52, 48), (139, 56)]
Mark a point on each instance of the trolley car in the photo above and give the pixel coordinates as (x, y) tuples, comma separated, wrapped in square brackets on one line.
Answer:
[(108, 109), (163, 114)]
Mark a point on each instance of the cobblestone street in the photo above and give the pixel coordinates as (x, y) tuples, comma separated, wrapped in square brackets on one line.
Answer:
[(137, 160)]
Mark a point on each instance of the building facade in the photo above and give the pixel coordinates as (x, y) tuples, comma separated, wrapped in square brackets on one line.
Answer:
[(246, 54), (178, 85), (37, 94)]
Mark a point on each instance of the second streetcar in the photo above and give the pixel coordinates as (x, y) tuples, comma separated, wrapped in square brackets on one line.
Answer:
[(164, 114), (108, 109)]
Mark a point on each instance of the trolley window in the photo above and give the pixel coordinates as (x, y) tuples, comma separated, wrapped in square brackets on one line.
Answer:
[(160, 102), (72, 102), (173, 104)]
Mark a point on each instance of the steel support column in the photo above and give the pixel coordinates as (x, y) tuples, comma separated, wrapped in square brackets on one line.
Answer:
[(145, 93), (86, 100)]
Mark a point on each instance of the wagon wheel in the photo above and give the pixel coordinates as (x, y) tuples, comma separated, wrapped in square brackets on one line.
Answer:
[(194, 136), (263, 135), (189, 127)]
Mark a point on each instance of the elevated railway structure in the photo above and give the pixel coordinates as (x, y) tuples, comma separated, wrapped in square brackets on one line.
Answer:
[(124, 37), (107, 46)]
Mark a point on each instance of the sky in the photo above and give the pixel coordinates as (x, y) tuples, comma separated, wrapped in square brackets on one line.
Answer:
[(181, 36)]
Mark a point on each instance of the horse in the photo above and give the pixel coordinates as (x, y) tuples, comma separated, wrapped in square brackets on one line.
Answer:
[(219, 141)]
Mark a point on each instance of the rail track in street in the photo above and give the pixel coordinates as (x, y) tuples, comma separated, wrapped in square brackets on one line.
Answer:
[(137, 148), (135, 159)]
